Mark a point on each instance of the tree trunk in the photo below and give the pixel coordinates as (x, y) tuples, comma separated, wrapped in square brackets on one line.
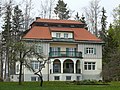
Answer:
[(40, 76), (20, 74), (1, 68), (41, 81)]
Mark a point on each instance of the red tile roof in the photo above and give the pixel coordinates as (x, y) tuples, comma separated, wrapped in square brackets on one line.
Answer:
[(80, 34), (38, 32), (58, 21)]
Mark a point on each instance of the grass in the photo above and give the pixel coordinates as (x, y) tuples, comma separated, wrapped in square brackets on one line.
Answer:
[(56, 86)]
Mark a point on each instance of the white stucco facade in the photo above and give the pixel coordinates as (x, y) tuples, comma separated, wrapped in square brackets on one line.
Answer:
[(76, 68)]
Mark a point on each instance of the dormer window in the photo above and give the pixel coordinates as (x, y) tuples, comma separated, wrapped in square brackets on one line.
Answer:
[(62, 35), (65, 35), (58, 35)]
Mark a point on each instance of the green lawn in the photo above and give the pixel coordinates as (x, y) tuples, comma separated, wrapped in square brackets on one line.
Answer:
[(56, 86)]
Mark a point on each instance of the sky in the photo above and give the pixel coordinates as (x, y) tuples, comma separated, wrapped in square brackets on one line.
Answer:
[(77, 6)]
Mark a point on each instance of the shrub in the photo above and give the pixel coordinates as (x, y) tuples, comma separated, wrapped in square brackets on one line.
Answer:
[(87, 82), (1, 79)]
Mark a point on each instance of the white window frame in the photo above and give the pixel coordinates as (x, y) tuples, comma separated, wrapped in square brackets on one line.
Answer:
[(57, 78), (89, 65), (33, 79), (55, 49), (68, 78), (90, 50), (71, 51), (66, 35), (35, 64), (58, 35)]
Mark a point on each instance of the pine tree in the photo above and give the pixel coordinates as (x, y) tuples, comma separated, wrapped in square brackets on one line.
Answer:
[(111, 53), (61, 10), (17, 23), (77, 18), (103, 31), (6, 37), (82, 19)]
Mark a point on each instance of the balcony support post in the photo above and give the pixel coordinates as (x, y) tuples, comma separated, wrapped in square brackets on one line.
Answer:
[(74, 67), (61, 67)]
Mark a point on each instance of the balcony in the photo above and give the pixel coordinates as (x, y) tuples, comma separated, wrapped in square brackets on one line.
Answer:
[(71, 54)]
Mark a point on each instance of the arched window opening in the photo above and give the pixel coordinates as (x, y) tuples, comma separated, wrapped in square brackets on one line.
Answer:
[(56, 66), (68, 66)]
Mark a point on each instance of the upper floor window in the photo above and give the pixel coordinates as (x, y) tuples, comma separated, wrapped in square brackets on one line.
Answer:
[(89, 65), (90, 50), (62, 35)]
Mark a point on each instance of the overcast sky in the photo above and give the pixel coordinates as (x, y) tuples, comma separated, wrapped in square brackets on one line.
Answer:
[(77, 6)]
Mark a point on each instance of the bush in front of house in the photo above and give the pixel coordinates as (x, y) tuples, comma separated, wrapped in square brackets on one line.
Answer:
[(87, 82), (1, 79), (90, 82)]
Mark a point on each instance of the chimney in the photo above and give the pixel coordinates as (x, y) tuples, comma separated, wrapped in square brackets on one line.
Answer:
[(37, 18)]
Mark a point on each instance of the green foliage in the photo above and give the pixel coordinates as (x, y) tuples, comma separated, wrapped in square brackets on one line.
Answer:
[(17, 23), (1, 79), (61, 10), (7, 23), (111, 52), (103, 32), (77, 18)]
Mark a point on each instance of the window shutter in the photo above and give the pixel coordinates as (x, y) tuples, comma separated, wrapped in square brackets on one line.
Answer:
[(95, 51), (67, 51), (85, 51), (50, 53), (75, 51), (58, 48), (59, 51), (50, 49)]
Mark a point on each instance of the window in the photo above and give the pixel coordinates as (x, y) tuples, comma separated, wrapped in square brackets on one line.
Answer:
[(70, 51), (89, 65), (56, 68), (56, 77), (90, 50), (17, 68), (68, 77), (55, 51), (58, 35), (65, 35), (35, 64), (33, 78), (78, 78)]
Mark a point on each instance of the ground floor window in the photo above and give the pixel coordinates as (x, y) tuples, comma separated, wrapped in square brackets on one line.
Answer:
[(33, 78), (89, 65), (68, 77), (68, 66), (78, 78), (56, 77)]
